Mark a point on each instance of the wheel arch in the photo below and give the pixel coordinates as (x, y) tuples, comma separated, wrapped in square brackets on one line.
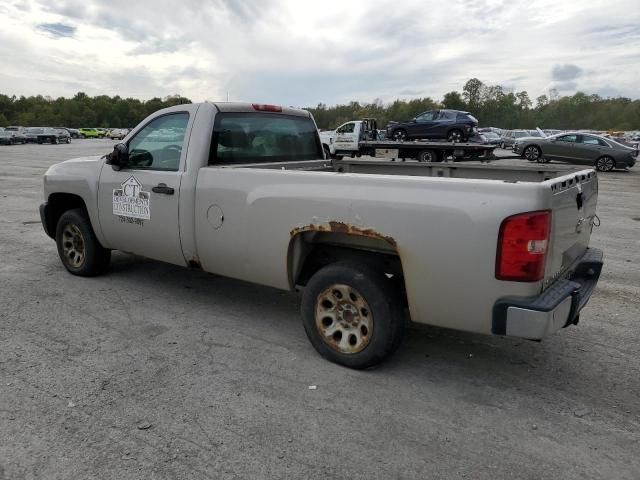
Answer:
[(314, 247), (57, 204)]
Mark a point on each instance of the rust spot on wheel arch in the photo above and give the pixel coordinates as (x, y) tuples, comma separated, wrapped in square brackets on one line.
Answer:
[(341, 227)]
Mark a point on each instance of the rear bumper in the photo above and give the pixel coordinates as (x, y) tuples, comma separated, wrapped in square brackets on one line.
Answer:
[(557, 307)]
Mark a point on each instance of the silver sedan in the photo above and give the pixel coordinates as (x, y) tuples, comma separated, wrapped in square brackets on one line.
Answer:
[(577, 148)]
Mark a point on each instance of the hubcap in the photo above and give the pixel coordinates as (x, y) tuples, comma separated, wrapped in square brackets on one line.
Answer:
[(399, 135), (454, 137), (532, 153), (605, 164), (344, 319), (73, 245)]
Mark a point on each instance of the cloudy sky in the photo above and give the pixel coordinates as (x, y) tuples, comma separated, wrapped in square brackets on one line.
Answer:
[(302, 52)]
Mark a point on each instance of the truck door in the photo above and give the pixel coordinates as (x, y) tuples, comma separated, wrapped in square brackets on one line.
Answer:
[(563, 148), (138, 205), (347, 137), (424, 126)]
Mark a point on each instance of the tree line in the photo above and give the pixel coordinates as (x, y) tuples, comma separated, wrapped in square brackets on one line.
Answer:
[(492, 105), (80, 110)]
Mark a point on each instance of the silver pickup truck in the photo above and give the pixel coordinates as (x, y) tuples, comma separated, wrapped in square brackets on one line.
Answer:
[(244, 191)]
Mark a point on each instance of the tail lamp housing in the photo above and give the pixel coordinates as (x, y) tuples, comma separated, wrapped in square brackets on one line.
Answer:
[(523, 242)]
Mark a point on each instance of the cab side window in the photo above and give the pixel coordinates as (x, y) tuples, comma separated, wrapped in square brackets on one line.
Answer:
[(348, 128), (158, 146)]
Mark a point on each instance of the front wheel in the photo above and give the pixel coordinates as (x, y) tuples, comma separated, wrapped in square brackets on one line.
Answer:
[(78, 247), (352, 315), (605, 164), (532, 153), (400, 135), (455, 136)]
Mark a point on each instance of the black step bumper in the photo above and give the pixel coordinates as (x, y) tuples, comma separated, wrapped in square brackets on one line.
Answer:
[(557, 307)]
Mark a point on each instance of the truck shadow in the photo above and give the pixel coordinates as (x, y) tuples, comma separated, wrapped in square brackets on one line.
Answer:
[(473, 365)]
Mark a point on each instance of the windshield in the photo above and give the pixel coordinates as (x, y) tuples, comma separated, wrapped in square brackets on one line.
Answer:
[(491, 135), (259, 137), (35, 130), (520, 134)]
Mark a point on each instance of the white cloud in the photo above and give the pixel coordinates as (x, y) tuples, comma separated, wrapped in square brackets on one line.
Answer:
[(301, 53)]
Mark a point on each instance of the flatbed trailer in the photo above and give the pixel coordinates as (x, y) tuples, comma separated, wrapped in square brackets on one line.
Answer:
[(425, 151), (361, 138)]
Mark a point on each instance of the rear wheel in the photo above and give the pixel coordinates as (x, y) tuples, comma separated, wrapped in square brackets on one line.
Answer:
[(400, 135), (605, 164), (428, 156), (78, 247), (352, 314), (455, 136), (532, 153)]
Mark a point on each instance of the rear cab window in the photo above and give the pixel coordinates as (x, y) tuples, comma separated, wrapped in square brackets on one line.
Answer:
[(254, 137)]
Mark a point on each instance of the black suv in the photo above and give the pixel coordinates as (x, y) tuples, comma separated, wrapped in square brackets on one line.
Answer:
[(452, 125)]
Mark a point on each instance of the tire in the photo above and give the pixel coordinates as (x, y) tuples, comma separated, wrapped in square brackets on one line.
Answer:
[(532, 153), (428, 156), (78, 247), (399, 135), (356, 299), (455, 136), (605, 164)]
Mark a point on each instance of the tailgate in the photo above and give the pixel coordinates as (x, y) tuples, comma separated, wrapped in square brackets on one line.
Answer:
[(573, 205)]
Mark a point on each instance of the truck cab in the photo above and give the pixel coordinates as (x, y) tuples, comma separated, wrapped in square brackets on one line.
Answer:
[(345, 140)]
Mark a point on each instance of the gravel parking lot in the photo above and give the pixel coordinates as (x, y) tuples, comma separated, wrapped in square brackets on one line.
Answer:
[(154, 371)]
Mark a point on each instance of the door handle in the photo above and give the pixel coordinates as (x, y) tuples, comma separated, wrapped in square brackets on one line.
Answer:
[(162, 188)]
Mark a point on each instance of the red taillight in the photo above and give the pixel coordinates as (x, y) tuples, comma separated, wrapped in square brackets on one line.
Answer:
[(267, 108), (522, 246)]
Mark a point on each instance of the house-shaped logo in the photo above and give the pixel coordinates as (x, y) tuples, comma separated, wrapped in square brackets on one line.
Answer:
[(130, 201), (131, 187)]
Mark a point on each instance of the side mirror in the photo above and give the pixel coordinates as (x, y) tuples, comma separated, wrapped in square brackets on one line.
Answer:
[(119, 157)]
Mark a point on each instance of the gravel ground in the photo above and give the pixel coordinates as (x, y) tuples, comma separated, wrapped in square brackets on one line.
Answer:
[(157, 372)]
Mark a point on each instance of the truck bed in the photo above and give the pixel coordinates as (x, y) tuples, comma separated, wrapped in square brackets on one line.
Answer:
[(511, 174)]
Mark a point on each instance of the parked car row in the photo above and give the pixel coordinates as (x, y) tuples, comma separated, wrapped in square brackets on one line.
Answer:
[(20, 135), (16, 135)]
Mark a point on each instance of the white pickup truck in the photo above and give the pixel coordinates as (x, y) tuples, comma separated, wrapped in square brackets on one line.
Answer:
[(244, 191)]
